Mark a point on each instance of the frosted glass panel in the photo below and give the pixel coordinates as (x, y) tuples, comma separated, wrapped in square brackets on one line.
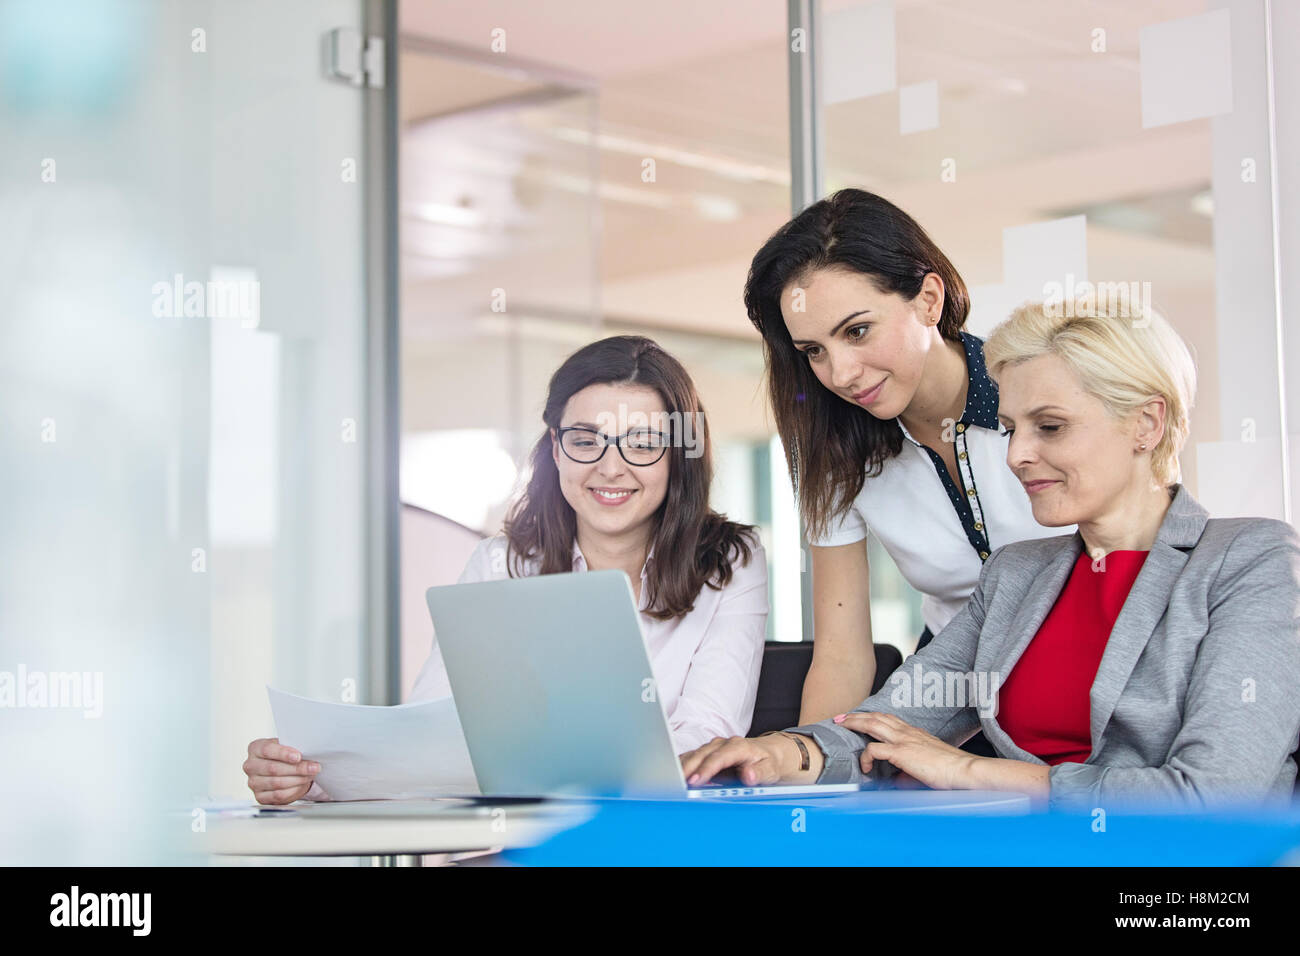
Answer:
[(181, 349)]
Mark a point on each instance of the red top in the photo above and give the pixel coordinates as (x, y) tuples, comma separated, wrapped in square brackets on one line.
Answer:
[(1043, 704)]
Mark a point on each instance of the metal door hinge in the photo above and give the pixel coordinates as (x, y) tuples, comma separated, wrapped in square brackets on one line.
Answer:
[(355, 58)]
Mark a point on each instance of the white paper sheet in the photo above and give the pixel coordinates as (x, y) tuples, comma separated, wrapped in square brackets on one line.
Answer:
[(1240, 479), (1186, 68), (1039, 253), (368, 753), (918, 107), (990, 304), (858, 52)]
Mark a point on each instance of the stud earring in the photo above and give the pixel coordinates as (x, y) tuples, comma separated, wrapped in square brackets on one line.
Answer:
[(1142, 447)]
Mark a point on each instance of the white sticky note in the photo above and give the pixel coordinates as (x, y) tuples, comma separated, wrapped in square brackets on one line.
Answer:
[(371, 753), (858, 52), (989, 307), (1240, 479), (1036, 255), (1186, 68), (918, 107), (244, 435)]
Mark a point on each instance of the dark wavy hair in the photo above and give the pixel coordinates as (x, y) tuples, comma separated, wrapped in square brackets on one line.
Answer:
[(693, 545), (831, 446)]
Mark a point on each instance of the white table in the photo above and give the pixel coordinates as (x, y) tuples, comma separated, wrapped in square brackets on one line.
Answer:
[(390, 832)]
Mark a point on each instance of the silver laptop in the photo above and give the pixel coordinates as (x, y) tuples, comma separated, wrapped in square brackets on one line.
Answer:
[(555, 694)]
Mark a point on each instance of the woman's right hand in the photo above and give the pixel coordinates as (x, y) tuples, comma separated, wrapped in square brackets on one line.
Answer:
[(276, 773), (757, 760)]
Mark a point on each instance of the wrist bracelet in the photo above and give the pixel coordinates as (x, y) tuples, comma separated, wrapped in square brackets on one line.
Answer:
[(804, 760)]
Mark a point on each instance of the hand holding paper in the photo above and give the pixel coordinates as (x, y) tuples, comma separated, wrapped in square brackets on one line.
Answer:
[(369, 753)]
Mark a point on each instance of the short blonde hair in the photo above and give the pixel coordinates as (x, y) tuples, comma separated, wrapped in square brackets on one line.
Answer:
[(1123, 361)]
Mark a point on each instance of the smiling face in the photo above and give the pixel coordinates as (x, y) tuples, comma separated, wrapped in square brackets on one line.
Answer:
[(1074, 458), (866, 346), (611, 497)]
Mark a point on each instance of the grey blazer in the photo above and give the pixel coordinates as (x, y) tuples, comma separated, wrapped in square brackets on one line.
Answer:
[(1196, 700)]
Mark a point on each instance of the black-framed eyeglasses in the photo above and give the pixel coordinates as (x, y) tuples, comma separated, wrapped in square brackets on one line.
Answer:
[(639, 447)]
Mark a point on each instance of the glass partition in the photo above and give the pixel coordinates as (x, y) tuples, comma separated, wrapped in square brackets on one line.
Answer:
[(554, 195), (184, 396)]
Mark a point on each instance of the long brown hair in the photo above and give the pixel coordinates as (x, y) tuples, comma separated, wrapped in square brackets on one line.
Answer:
[(831, 446), (693, 545)]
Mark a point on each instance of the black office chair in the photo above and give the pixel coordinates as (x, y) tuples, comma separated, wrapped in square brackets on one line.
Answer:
[(780, 683)]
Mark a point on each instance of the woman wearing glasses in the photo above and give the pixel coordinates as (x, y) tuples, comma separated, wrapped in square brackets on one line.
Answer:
[(642, 506)]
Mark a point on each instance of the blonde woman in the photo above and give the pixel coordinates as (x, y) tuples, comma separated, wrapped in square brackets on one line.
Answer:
[(1153, 656)]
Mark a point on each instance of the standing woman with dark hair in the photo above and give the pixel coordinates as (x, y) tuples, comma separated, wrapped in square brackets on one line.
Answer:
[(889, 421), (620, 479)]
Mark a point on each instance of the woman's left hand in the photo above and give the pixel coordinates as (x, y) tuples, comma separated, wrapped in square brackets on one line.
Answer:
[(914, 752)]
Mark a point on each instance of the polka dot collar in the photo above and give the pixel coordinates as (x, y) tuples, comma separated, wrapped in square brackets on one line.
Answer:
[(981, 394)]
